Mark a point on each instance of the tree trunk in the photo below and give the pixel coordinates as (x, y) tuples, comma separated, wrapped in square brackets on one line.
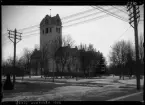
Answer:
[(120, 76), (41, 72), (123, 76), (29, 73), (62, 71), (130, 73), (14, 78), (130, 76)]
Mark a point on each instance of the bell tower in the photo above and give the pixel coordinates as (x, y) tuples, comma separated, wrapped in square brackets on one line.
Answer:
[(50, 34)]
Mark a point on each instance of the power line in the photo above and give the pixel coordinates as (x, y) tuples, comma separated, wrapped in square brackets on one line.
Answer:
[(96, 13), (64, 18), (77, 14), (74, 23), (124, 32), (67, 22), (31, 35), (96, 18), (28, 27), (110, 13), (120, 9), (68, 25), (67, 17), (31, 31)]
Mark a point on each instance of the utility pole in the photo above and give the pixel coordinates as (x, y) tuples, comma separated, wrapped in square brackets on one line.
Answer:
[(134, 15), (14, 38)]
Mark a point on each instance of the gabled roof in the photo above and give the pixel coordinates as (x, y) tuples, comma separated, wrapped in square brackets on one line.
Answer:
[(71, 51)]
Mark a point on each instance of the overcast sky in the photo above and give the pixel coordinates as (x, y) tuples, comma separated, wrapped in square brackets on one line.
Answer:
[(102, 33)]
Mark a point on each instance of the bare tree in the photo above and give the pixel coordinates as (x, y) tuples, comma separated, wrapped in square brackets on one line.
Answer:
[(121, 53), (62, 55), (37, 47), (22, 64), (44, 56), (48, 53), (27, 57), (67, 40), (141, 48)]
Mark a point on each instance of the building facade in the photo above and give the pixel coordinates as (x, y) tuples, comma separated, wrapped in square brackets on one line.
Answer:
[(50, 38), (50, 45)]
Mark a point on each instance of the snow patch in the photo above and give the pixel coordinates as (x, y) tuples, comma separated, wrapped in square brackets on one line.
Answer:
[(131, 81)]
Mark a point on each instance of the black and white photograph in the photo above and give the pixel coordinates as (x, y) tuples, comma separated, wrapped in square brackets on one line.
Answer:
[(72, 52)]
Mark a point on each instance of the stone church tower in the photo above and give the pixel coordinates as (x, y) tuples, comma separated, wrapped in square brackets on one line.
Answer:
[(50, 37)]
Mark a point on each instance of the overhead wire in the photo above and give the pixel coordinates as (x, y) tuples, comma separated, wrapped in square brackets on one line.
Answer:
[(124, 32), (67, 17), (77, 14), (110, 13), (120, 9), (64, 26), (69, 21), (96, 18), (98, 12), (83, 21)]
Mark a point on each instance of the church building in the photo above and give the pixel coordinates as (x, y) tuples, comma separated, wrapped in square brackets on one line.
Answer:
[(50, 41)]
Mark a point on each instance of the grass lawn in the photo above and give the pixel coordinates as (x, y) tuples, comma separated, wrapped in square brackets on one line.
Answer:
[(68, 90), (26, 88)]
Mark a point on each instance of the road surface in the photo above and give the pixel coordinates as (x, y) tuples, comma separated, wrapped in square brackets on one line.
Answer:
[(132, 97)]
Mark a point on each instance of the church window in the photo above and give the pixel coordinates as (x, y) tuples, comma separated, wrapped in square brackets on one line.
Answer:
[(58, 30), (50, 29), (46, 30), (43, 31)]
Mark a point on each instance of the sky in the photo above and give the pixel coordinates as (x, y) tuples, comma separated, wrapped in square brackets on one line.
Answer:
[(102, 33)]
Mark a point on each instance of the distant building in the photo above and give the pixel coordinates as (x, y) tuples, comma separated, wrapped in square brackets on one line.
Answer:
[(72, 57), (50, 42)]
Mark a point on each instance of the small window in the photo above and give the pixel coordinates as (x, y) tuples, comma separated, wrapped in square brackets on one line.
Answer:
[(50, 29), (43, 31), (59, 30), (46, 30)]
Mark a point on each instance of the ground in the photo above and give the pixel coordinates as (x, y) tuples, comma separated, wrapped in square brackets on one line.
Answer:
[(95, 89)]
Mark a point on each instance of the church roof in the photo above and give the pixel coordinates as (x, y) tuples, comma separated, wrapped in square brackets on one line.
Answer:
[(55, 20), (36, 54), (71, 51)]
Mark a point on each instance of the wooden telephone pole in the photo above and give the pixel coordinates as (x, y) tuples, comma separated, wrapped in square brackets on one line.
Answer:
[(13, 36), (134, 16)]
